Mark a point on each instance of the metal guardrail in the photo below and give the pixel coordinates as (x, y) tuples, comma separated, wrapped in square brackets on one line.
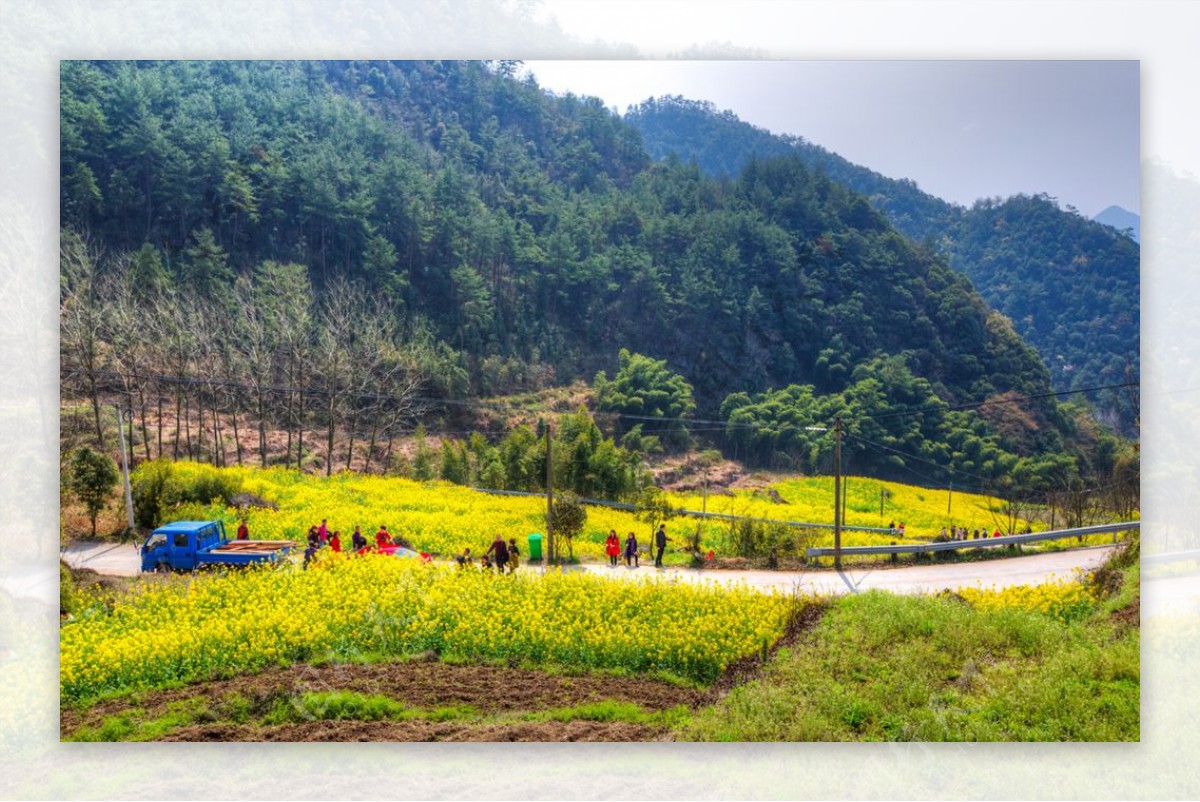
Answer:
[(1172, 557), (981, 543), (616, 505)]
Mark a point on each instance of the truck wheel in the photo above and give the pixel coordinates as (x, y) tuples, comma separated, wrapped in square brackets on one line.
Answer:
[(162, 568)]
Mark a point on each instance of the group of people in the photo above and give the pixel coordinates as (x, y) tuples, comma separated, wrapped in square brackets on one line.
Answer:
[(961, 533), (320, 537), (499, 555), (612, 547)]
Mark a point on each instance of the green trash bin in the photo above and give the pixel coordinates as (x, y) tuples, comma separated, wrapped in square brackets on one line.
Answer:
[(535, 546)]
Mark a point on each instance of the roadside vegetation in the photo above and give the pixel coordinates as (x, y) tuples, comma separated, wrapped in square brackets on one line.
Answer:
[(599, 660)]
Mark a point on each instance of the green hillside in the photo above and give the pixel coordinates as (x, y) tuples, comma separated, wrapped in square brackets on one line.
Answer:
[(1069, 285)]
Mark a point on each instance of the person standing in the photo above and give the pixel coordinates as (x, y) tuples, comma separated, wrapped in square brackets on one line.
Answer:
[(631, 550), (323, 532), (243, 531), (660, 543), (612, 547), (514, 556), (498, 551)]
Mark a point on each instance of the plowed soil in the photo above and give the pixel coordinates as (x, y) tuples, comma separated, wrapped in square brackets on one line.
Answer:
[(426, 685)]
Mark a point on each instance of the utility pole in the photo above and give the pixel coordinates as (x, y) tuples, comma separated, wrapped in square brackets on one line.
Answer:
[(837, 493), (125, 468), (549, 495)]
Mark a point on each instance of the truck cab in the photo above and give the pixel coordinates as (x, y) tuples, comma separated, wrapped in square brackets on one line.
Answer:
[(176, 546)]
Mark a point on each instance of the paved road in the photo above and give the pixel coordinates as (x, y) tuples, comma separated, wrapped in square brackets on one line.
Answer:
[(1166, 591), (1026, 570), (122, 560), (113, 559)]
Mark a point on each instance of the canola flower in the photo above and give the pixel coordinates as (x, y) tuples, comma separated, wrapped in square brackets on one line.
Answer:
[(444, 518), (1064, 600), (375, 606)]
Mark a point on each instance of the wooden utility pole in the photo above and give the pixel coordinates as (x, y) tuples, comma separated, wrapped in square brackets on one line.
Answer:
[(549, 495), (837, 493)]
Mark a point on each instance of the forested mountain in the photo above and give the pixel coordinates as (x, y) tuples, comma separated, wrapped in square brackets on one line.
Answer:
[(1070, 285), (352, 233)]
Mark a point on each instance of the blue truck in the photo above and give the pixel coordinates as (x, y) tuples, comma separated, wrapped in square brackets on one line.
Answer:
[(187, 545)]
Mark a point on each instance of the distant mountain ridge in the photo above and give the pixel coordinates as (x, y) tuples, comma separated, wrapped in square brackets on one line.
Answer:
[(1121, 219), (1070, 285)]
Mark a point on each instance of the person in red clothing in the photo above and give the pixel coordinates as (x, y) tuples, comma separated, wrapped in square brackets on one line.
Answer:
[(243, 532), (612, 547), (323, 532), (996, 533), (335, 542), (382, 538)]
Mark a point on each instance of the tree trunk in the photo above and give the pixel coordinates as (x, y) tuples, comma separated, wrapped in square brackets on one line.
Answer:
[(178, 423), (350, 448), (199, 428), (262, 431), (218, 446), (187, 424), (371, 446), (237, 441), (300, 434), (160, 416), (329, 441), (96, 412), (288, 421), (142, 408)]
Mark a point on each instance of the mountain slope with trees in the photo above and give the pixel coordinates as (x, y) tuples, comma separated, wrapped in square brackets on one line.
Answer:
[(1069, 285), (340, 247)]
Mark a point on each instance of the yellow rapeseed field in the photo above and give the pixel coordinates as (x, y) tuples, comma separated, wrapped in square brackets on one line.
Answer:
[(372, 607), (1066, 600), (443, 518)]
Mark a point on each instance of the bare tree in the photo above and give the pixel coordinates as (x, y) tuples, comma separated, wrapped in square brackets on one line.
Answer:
[(257, 341), (333, 356), (84, 354)]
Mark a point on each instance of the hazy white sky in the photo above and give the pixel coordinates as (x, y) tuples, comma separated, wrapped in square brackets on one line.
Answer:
[(961, 129)]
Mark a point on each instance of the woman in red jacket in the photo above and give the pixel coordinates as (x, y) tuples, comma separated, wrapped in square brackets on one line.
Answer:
[(612, 547)]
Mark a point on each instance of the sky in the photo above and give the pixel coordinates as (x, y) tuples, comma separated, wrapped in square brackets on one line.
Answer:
[(963, 130)]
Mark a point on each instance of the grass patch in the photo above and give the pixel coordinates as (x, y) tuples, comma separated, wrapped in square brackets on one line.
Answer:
[(613, 711), (928, 668), (354, 706), (132, 725)]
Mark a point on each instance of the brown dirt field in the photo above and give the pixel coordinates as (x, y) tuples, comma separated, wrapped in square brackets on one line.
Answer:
[(426, 685), (343, 731), (429, 684)]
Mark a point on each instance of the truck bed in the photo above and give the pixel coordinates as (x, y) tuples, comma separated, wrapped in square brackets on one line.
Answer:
[(242, 552), (250, 546)]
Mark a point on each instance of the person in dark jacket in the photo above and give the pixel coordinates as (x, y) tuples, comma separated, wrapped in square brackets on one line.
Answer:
[(631, 550), (358, 539), (660, 542), (499, 552)]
